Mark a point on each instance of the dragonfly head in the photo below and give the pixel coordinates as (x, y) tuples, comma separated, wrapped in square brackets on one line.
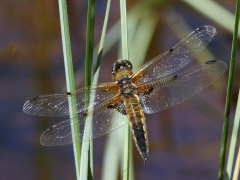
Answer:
[(121, 67)]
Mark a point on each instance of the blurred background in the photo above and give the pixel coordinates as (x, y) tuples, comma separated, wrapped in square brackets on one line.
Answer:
[(184, 140)]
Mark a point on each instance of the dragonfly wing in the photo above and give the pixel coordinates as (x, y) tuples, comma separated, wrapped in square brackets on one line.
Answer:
[(175, 58), (57, 104), (171, 91), (100, 120)]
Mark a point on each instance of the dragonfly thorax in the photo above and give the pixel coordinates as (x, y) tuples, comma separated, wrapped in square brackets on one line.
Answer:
[(122, 71), (126, 86)]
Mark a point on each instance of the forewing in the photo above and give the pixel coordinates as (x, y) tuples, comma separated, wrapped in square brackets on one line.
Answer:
[(171, 91), (100, 120), (175, 58), (57, 104)]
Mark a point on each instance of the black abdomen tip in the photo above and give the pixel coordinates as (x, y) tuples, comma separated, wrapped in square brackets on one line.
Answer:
[(145, 160)]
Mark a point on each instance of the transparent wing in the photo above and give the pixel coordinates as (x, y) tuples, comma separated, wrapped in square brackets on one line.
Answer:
[(171, 91), (57, 104), (175, 58), (106, 117)]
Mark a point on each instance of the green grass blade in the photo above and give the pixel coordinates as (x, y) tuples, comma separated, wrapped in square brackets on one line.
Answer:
[(139, 45), (86, 171), (100, 49), (89, 43), (124, 29), (229, 97), (70, 80), (112, 155), (124, 38), (233, 141), (237, 166), (126, 153)]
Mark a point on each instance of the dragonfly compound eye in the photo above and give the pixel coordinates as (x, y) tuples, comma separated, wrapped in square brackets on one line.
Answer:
[(121, 65)]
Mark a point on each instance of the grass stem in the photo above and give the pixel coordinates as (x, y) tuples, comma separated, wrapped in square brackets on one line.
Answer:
[(70, 80), (228, 97), (124, 37), (86, 171)]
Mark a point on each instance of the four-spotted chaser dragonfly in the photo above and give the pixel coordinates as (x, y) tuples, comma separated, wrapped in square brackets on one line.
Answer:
[(148, 90)]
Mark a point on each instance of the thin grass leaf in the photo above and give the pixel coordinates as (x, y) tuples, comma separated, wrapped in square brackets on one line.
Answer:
[(233, 143), (70, 80), (112, 155), (124, 29), (140, 44), (237, 166), (89, 42), (229, 97), (86, 171), (95, 79), (124, 38), (101, 44)]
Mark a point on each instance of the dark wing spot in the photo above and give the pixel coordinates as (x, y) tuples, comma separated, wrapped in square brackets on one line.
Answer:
[(119, 107), (171, 50), (175, 77), (200, 28), (85, 114), (33, 99), (150, 90), (210, 62), (145, 96), (69, 93), (110, 106)]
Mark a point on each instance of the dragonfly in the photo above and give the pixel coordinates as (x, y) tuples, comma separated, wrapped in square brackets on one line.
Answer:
[(151, 89)]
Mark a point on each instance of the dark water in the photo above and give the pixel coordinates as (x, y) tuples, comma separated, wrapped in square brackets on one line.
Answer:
[(184, 140)]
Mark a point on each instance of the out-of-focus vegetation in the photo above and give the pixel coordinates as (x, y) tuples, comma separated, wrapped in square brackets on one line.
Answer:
[(184, 140)]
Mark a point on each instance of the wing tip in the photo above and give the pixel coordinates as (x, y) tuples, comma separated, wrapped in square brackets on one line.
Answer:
[(209, 29), (219, 66), (223, 64), (59, 134), (28, 103), (43, 139), (33, 99)]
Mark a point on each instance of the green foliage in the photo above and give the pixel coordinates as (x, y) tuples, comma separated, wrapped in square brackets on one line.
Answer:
[(228, 105), (70, 80)]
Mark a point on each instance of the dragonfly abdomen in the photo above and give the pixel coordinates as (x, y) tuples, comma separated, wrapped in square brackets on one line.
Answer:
[(137, 122)]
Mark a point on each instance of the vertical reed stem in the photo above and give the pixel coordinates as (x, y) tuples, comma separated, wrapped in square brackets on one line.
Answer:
[(229, 97), (70, 81)]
